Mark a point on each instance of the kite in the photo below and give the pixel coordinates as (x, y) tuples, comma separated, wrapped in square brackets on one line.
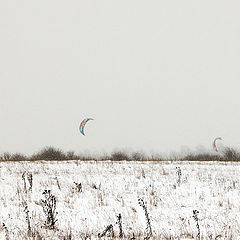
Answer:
[(82, 125), (214, 143)]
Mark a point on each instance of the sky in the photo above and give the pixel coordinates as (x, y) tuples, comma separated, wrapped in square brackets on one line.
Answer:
[(156, 76)]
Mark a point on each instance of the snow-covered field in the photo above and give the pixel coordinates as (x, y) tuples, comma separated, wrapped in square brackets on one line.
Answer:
[(113, 188)]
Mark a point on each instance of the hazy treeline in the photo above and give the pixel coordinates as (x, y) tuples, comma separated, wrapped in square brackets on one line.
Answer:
[(52, 153)]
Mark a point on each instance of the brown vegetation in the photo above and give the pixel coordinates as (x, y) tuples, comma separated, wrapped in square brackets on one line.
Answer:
[(55, 154)]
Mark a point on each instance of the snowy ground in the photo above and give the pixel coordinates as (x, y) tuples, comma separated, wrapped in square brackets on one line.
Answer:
[(109, 189)]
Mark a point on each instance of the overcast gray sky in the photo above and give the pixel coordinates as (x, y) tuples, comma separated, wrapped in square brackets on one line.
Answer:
[(155, 75)]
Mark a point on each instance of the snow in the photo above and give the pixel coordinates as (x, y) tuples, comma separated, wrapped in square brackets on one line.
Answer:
[(112, 188)]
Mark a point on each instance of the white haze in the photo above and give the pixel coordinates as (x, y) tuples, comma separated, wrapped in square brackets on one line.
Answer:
[(155, 75)]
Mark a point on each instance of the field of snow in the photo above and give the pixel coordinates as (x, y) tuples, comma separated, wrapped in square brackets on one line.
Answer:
[(170, 191)]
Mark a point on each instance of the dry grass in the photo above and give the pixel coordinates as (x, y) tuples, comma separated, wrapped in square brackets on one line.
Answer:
[(113, 188)]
